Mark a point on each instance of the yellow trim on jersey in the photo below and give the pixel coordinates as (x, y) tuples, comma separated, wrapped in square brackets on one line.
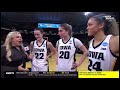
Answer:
[(113, 64)]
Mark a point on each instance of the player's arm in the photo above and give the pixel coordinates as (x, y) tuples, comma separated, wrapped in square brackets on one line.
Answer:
[(114, 45), (52, 49), (84, 55), (83, 49), (31, 50), (56, 53)]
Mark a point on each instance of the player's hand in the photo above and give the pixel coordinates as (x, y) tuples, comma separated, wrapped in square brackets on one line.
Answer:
[(47, 58), (56, 62), (77, 64), (74, 65)]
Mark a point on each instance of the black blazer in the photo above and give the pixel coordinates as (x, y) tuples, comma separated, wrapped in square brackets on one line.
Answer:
[(17, 56)]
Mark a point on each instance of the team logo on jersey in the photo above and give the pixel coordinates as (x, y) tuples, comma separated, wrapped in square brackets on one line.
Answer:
[(104, 43)]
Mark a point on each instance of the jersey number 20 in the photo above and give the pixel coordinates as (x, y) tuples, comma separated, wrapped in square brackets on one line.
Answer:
[(65, 54)]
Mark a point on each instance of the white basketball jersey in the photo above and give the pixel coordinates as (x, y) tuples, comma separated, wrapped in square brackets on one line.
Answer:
[(40, 53), (100, 57), (66, 52)]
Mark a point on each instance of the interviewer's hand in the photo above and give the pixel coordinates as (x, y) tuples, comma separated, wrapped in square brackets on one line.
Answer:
[(30, 56), (20, 68)]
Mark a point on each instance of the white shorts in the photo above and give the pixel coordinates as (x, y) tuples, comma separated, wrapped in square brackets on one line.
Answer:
[(65, 69), (40, 68)]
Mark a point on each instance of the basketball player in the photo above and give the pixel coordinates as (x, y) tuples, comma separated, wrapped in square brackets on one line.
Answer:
[(38, 51), (105, 44), (66, 47)]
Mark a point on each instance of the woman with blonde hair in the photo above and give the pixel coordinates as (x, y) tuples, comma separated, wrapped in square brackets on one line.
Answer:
[(13, 55)]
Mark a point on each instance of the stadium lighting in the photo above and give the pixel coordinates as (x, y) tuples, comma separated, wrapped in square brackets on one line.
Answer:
[(87, 13)]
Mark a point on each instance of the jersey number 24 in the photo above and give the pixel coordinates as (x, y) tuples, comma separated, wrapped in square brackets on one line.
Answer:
[(96, 66)]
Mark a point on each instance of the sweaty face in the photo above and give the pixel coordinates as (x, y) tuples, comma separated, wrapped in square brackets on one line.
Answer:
[(38, 34), (17, 40), (62, 32), (92, 27)]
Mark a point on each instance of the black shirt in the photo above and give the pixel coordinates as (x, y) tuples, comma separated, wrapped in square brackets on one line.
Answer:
[(17, 56)]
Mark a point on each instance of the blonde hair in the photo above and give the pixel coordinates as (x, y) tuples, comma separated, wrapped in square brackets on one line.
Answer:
[(8, 41)]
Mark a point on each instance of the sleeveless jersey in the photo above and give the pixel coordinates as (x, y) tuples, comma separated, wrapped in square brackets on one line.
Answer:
[(66, 53), (100, 57), (40, 54)]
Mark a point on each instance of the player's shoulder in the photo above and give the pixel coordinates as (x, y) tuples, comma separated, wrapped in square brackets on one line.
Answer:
[(59, 40), (76, 40), (114, 39), (32, 42), (90, 41), (49, 43)]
